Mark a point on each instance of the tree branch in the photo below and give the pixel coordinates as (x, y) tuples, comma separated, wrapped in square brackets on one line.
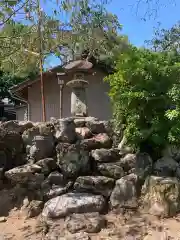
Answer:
[(14, 13)]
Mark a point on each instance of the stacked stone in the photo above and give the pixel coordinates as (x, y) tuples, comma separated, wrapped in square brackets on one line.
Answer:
[(70, 165)]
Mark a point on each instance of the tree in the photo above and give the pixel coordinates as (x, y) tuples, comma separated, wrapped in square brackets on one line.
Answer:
[(6, 82), (166, 39), (89, 27), (145, 95), (13, 38)]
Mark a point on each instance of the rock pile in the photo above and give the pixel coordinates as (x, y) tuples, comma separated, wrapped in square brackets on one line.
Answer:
[(70, 167)]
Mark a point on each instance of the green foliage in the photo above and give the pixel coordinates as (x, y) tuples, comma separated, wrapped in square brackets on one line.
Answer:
[(6, 82), (87, 26), (14, 37), (166, 39), (145, 92)]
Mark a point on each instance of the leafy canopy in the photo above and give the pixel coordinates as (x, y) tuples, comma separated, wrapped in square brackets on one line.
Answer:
[(166, 39), (7, 80), (145, 94), (88, 26)]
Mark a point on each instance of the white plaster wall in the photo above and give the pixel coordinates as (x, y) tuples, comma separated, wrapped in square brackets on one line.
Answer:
[(97, 98), (21, 113)]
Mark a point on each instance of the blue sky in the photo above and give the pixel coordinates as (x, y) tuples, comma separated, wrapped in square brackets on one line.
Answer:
[(138, 30), (134, 26)]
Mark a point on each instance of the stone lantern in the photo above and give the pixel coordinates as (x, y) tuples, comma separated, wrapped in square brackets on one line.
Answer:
[(78, 87)]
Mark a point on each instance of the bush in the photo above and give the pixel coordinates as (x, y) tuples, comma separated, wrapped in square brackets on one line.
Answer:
[(145, 93)]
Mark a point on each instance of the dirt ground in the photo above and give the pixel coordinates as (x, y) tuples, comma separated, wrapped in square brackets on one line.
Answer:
[(127, 226)]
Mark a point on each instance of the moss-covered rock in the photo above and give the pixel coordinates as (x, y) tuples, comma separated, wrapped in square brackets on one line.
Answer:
[(72, 159), (161, 196)]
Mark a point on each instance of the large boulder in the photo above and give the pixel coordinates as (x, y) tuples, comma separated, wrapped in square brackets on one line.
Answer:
[(11, 149), (81, 122), (25, 125), (167, 167), (143, 166), (56, 178), (16, 126), (112, 170), (34, 183), (140, 163), (65, 130), (96, 127), (55, 185), (39, 129), (49, 190), (42, 147), (23, 174), (124, 194), (105, 155), (88, 222), (11, 126), (83, 133), (101, 140), (72, 159), (128, 162), (47, 165), (29, 135), (161, 196), (34, 208), (95, 184), (69, 203)]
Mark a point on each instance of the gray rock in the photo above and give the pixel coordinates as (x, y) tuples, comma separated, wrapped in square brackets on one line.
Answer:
[(34, 182), (140, 164), (112, 170), (83, 133), (80, 122), (161, 196), (11, 126), (166, 166), (144, 165), (88, 222), (55, 178), (101, 140), (65, 130), (42, 147), (29, 135), (96, 127), (72, 160), (47, 165), (109, 128), (23, 174), (128, 162), (124, 194), (90, 119), (95, 184), (25, 125), (69, 203), (34, 209), (15, 126), (105, 155), (11, 149), (39, 129), (52, 191)]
